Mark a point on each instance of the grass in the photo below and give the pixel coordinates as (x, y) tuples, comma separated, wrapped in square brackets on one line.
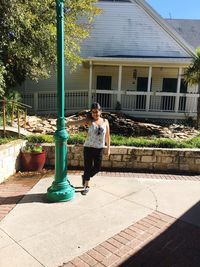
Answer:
[(152, 142), (6, 140), (118, 140)]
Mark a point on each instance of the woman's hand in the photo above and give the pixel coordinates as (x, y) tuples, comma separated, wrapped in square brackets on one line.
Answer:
[(107, 151)]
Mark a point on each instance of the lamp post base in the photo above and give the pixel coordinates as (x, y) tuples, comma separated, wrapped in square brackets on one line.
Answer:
[(60, 192)]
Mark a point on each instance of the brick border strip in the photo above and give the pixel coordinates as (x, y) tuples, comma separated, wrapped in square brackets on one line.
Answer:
[(145, 175), (117, 249), (156, 240), (12, 191)]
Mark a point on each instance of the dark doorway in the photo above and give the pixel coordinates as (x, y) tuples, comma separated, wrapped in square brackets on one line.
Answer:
[(142, 84), (104, 83), (168, 102)]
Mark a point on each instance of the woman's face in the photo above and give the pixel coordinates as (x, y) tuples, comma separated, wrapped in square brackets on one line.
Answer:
[(96, 113)]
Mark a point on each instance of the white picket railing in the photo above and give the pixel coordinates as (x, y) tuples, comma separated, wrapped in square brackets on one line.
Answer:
[(131, 101)]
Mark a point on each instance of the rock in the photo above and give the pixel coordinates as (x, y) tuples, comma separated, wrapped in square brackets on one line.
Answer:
[(119, 123)]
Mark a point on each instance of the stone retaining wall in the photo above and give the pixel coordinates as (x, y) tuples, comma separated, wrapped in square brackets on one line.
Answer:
[(132, 159), (9, 158), (121, 158)]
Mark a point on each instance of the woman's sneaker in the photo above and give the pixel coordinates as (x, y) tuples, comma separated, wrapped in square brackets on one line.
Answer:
[(85, 190)]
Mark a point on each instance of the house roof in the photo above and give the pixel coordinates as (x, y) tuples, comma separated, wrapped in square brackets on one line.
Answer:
[(189, 29), (163, 23), (133, 29)]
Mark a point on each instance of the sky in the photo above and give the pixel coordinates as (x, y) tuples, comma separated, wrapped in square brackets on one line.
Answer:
[(177, 9)]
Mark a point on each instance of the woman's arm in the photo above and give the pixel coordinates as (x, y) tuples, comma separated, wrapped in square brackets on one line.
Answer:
[(107, 149), (77, 122)]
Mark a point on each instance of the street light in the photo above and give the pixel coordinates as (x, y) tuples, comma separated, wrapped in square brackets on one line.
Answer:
[(60, 190)]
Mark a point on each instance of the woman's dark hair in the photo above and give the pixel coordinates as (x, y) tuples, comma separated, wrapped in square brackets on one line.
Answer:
[(96, 105)]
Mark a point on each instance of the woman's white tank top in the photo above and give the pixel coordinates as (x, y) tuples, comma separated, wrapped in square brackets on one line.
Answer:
[(96, 135)]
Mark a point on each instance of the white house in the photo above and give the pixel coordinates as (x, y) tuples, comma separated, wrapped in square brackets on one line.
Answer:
[(134, 58)]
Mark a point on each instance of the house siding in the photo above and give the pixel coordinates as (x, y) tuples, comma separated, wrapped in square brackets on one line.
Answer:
[(79, 79), (76, 80)]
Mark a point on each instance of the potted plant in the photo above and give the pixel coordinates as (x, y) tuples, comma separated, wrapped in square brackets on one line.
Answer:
[(32, 157)]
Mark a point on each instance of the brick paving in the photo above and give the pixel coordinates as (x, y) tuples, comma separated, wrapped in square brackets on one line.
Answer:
[(14, 189), (146, 175), (157, 240)]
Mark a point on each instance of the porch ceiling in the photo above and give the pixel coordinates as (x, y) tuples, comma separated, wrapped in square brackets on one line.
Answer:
[(138, 61)]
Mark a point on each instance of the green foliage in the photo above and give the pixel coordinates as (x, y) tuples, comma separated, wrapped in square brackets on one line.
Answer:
[(78, 138), (192, 73), (28, 37), (117, 140), (6, 140), (2, 81), (12, 98), (42, 138), (194, 142), (32, 148)]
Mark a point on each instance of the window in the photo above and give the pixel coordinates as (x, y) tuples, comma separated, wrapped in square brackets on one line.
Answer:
[(169, 85), (142, 84), (184, 86), (168, 102)]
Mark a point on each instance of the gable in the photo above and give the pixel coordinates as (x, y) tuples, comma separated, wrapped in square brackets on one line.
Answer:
[(125, 29), (189, 29)]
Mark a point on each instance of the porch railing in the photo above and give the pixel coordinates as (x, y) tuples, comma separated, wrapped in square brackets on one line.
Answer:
[(131, 101)]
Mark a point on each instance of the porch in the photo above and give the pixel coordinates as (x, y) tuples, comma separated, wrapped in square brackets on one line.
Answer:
[(156, 91), (151, 105)]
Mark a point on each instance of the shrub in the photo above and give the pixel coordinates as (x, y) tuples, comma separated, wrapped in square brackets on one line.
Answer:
[(42, 138), (32, 148), (117, 140)]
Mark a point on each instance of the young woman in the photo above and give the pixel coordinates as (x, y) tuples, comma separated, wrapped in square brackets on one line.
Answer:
[(94, 145)]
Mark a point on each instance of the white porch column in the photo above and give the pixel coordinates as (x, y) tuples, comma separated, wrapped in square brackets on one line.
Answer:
[(119, 84), (178, 90), (90, 86), (148, 88)]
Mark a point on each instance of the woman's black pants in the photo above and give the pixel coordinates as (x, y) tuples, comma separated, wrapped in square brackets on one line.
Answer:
[(92, 161)]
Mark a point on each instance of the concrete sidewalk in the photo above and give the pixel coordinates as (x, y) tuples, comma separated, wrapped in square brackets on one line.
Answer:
[(127, 219)]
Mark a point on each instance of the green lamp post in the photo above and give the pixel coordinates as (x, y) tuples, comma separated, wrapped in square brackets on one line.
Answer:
[(60, 190)]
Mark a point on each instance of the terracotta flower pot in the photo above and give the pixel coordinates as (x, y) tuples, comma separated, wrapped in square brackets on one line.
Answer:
[(32, 161)]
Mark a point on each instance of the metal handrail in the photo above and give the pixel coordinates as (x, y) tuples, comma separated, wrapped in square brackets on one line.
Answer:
[(20, 106)]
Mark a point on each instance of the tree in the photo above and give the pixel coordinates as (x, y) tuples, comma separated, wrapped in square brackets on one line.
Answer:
[(192, 77), (2, 81), (28, 37)]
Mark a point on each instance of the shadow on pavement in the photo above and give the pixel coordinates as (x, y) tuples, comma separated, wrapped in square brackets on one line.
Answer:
[(177, 246), (29, 198)]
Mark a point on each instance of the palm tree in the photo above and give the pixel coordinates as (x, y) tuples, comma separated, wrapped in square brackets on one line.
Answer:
[(192, 77)]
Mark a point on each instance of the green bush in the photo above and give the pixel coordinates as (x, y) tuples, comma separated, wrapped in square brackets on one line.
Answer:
[(77, 138), (194, 142), (6, 140), (117, 140), (42, 138)]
